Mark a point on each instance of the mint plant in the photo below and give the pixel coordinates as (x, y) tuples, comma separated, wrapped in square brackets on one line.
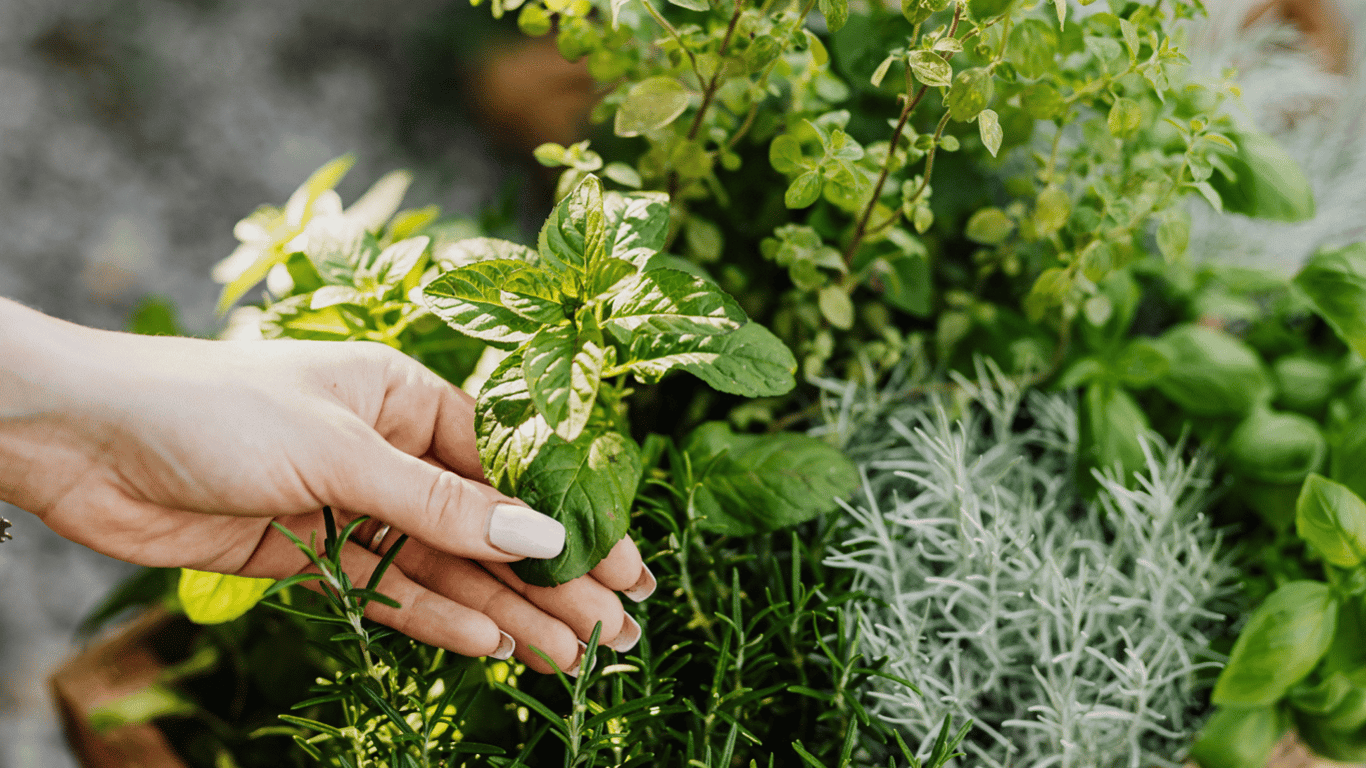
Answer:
[(577, 317)]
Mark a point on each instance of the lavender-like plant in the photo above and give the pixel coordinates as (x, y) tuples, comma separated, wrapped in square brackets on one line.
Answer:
[(1073, 632)]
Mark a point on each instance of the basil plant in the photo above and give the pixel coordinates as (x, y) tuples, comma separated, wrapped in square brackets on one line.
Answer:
[(578, 317)]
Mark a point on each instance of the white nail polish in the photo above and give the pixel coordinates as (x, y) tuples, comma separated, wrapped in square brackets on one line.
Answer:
[(523, 531), (628, 637), (644, 586), (577, 664), (506, 646)]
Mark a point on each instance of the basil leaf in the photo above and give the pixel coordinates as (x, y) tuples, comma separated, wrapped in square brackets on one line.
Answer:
[(1212, 373), (750, 362), (509, 430), (668, 301), (1333, 519), (588, 486), (213, 598), (563, 368), (470, 300), (1239, 737), (1111, 426), (574, 237), (1335, 281), (1281, 643), (1262, 180), (754, 483)]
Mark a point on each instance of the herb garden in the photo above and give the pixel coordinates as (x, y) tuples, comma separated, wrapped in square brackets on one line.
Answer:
[(879, 330)]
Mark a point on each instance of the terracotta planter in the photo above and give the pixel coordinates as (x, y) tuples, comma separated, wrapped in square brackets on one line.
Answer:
[(110, 669)]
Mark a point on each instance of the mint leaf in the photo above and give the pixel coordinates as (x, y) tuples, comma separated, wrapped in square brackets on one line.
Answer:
[(610, 271), (668, 301), (531, 293), (473, 249), (395, 262), (509, 430), (588, 487), (754, 483), (293, 318), (574, 237), (470, 300), (750, 361), (563, 368), (637, 224), (337, 250)]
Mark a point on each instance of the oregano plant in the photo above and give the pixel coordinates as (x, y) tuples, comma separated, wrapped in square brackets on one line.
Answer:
[(579, 317)]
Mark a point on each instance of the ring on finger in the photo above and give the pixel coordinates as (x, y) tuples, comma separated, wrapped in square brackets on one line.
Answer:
[(378, 539)]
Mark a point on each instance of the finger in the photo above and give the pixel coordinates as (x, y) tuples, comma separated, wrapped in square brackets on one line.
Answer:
[(424, 414), (438, 507), (581, 604), (623, 571), (424, 615), (466, 583)]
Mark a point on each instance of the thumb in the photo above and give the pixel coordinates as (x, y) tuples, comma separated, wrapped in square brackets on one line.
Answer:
[(438, 507)]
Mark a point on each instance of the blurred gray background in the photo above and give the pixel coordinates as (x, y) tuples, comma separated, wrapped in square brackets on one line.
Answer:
[(133, 134)]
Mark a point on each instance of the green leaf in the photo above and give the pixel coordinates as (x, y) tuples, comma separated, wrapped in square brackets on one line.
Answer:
[(1125, 117), (667, 301), (1261, 180), (510, 431), (1281, 643), (755, 483), (574, 238), (331, 295), (609, 274), (692, 5), (650, 104), (1240, 737), (1032, 47), (972, 91), (470, 300), (213, 598), (1335, 282), (930, 68), (785, 154), (750, 362), (989, 125), (1112, 424), (1278, 448), (1333, 519), (836, 306), (623, 174), (143, 706), (1212, 373), (836, 13), (804, 190), (1174, 234), (588, 486), (473, 249), (531, 292), (989, 226), (294, 318), (637, 225), (337, 249), (878, 75), (395, 262), (563, 369)]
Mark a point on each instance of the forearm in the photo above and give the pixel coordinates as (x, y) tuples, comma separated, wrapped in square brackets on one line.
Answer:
[(35, 386)]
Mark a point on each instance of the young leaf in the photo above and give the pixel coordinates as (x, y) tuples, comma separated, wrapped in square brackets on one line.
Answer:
[(213, 598), (836, 13), (470, 250), (295, 319), (804, 190), (930, 68), (651, 103), (470, 300), (395, 262), (532, 293), (509, 429), (1281, 643), (637, 225), (1335, 281), (785, 154), (756, 483), (667, 301), (1333, 519), (989, 125), (563, 368), (588, 486), (574, 237)]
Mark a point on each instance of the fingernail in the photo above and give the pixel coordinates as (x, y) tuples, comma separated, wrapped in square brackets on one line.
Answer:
[(574, 668), (505, 647), (523, 531), (627, 638), (644, 586)]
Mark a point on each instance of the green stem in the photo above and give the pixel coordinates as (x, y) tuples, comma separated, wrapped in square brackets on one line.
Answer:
[(768, 71)]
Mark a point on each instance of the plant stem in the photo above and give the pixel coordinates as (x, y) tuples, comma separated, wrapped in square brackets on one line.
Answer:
[(768, 71), (709, 90)]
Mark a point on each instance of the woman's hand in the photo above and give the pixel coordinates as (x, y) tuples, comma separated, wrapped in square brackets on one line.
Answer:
[(182, 452)]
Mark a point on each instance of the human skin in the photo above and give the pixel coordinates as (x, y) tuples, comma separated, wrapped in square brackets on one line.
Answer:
[(174, 452)]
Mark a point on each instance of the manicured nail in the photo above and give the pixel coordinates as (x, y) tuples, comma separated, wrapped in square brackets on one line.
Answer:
[(575, 668), (627, 638), (523, 531), (505, 647), (644, 586)]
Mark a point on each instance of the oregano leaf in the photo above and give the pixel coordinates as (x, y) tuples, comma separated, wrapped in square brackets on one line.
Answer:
[(930, 68), (650, 104), (836, 13), (989, 125)]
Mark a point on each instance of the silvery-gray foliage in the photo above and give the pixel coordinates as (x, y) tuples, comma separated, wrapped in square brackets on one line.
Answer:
[(1073, 632)]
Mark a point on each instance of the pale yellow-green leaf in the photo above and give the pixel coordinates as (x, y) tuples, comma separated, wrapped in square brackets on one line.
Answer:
[(374, 208), (990, 127), (213, 598), (836, 306), (652, 103)]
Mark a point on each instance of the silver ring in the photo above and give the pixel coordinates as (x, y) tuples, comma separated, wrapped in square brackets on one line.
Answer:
[(378, 538)]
